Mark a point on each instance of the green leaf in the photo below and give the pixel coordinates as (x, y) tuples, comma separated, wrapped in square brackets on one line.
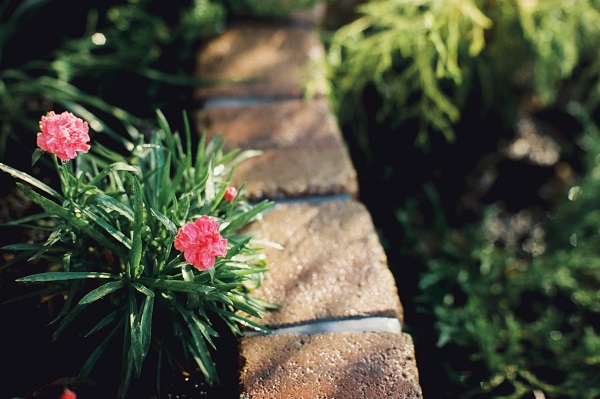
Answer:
[(248, 323), (37, 153), (135, 358), (57, 210), (165, 221), (136, 249), (116, 234), (209, 189), (54, 237), (188, 136), (240, 303), (178, 285), (143, 289), (198, 345), (245, 155), (22, 221), (102, 291), (245, 271), (116, 166), (144, 326), (109, 204), (164, 126), (175, 181), (61, 276), (73, 288), (263, 304), (165, 187), (22, 247), (106, 320), (238, 246), (31, 180), (243, 219)]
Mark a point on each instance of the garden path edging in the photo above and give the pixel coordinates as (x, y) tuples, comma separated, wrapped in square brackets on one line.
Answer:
[(338, 334)]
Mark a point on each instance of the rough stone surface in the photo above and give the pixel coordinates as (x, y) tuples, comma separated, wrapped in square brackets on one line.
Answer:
[(332, 264), (303, 149), (261, 60), (322, 366), (282, 124), (291, 173)]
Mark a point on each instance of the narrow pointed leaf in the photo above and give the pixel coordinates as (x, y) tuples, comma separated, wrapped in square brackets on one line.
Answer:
[(55, 209), (136, 248), (165, 221), (143, 289), (109, 204), (246, 217), (180, 286), (31, 180), (102, 291), (60, 276)]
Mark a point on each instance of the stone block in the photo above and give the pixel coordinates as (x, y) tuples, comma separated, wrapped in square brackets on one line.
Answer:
[(304, 153), (261, 61), (328, 366), (332, 265)]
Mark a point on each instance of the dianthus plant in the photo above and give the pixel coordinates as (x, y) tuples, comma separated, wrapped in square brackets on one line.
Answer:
[(157, 230)]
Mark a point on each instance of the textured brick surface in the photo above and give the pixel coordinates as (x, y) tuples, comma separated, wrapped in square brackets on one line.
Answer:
[(331, 265), (259, 60), (303, 150), (291, 173), (335, 365), (282, 124)]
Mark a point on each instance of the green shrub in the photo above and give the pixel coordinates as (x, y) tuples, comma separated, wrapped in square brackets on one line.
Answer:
[(518, 308), (427, 59), (144, 251)]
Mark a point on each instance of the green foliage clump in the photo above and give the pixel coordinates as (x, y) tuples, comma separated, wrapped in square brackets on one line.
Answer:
[(517, 311), (425, 59), (109, 260)]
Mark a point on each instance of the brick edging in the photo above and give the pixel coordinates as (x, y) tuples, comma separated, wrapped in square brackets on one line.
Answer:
[(336, 334)]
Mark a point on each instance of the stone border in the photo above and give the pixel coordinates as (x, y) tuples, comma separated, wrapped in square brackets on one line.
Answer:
[(339, 331)]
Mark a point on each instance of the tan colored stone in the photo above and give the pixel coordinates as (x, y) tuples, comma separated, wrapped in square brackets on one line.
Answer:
[(323, 366), (279, 124), (261, 60), (293, 173), (332, 264), (303, 149)]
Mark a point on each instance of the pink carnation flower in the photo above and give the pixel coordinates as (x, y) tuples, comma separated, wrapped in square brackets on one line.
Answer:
[(230, 193), (200, 242), (63, 135), (68, 394)]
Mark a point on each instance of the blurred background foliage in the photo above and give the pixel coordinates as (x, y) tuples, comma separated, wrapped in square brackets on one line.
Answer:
[(473, 126), (475, 123), (111, 62), (429, 57)]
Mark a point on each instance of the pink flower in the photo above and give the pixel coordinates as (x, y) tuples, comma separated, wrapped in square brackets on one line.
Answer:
[(68, 394), (230, 193), (63, 135), (200, 242)]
